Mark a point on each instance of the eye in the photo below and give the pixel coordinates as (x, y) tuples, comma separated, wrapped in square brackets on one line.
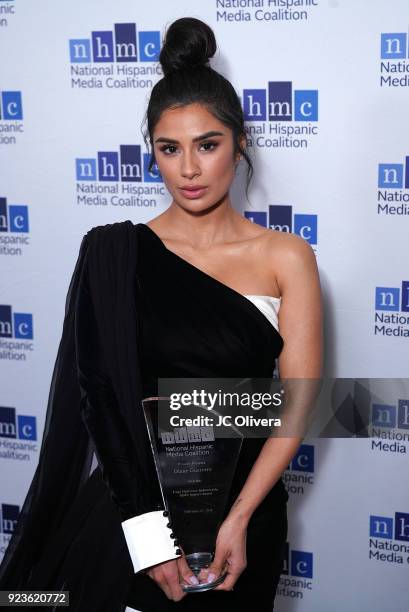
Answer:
[(166, 149), (210, 146)]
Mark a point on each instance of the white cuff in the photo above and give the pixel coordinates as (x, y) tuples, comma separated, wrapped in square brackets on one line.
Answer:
[(148, 539)]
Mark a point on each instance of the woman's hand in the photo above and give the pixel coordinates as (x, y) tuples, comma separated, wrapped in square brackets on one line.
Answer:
[(170, 574), (230, 554)]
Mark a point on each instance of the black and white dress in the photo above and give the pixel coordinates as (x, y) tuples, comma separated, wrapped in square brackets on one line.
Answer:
[(135, 312), (192, 325)]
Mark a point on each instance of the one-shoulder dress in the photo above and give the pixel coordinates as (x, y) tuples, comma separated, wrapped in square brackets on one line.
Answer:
[(189, 325), (193, 325)]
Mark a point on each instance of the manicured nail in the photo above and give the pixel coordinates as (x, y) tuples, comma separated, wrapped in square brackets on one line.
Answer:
[(193, 580), (211, 578)]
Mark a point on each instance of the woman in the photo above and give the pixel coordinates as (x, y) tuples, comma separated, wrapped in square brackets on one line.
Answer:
[(200, 288)]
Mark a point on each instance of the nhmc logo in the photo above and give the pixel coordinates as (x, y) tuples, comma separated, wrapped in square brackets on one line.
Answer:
[(390, 528), (13, 217), (394, 176), (279, 103), (15, 325), (20, 426), (392, 298), (183, 435), (121, 45), (280, 218), (11, 106), (384, 415), (394, 46), (111, 166)]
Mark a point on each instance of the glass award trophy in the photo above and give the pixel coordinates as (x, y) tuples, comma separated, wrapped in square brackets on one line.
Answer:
[(195, 464)]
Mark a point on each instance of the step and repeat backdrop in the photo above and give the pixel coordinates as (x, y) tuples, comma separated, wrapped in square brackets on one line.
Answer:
[(324, 87)]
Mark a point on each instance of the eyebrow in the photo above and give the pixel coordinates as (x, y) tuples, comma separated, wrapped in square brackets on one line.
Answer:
[(201, 137)]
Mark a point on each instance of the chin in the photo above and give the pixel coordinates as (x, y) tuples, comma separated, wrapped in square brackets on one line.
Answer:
[(194, 206)]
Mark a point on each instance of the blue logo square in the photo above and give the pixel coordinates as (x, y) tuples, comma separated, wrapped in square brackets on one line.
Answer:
[(9, 518), (7, 422), (403, 414), (86, 169), (402, 526), (23, 325), (301, 563), (306, 105), (149, 46), (255, 104), (280, 101), (80, 50), (383, 415), (387, 298), (18, 214), (381, 527), (394, 46), (280, 217), (256, 217), (390, 176), (303, 461), (130, 164), (108, 166), (6, 327), (102, 46), (12, 106), (153, 176), (306, 227), (4, 225), (27, 428), (405, 296), (125, 42)]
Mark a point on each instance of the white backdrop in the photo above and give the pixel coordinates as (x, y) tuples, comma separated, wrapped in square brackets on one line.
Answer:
[(334, 169)]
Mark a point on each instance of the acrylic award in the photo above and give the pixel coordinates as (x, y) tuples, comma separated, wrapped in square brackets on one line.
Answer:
[(195, 466)]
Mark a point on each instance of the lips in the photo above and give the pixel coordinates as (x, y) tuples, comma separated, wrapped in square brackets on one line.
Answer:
[(193, 192)]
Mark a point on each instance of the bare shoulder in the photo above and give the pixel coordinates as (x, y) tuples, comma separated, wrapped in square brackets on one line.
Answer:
[(292, 259), (289, 248)]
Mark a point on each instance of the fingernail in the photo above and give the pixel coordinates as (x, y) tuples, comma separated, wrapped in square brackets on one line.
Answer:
[(193, 580), (211, 578)]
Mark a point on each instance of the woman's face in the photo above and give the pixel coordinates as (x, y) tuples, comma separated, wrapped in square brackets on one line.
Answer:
[(194, 153)]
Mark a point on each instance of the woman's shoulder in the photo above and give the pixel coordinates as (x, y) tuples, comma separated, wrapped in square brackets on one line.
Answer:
[(287, 246), (111, 237), (294, 264), (109, 230), (109, 244), (289, 257), (280, 244), (109, 251)]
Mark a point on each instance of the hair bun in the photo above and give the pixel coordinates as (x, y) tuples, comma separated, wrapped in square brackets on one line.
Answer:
[(189, 43)]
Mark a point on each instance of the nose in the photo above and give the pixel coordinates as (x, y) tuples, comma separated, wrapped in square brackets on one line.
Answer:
[(189, 165)]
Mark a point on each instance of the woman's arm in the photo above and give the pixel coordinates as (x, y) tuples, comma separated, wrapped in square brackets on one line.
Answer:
[(300, 324)]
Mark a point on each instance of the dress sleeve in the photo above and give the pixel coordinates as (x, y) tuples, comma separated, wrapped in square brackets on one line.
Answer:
[(147, 532)]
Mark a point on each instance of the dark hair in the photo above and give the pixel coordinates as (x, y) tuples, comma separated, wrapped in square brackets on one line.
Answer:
[(188, 78)]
